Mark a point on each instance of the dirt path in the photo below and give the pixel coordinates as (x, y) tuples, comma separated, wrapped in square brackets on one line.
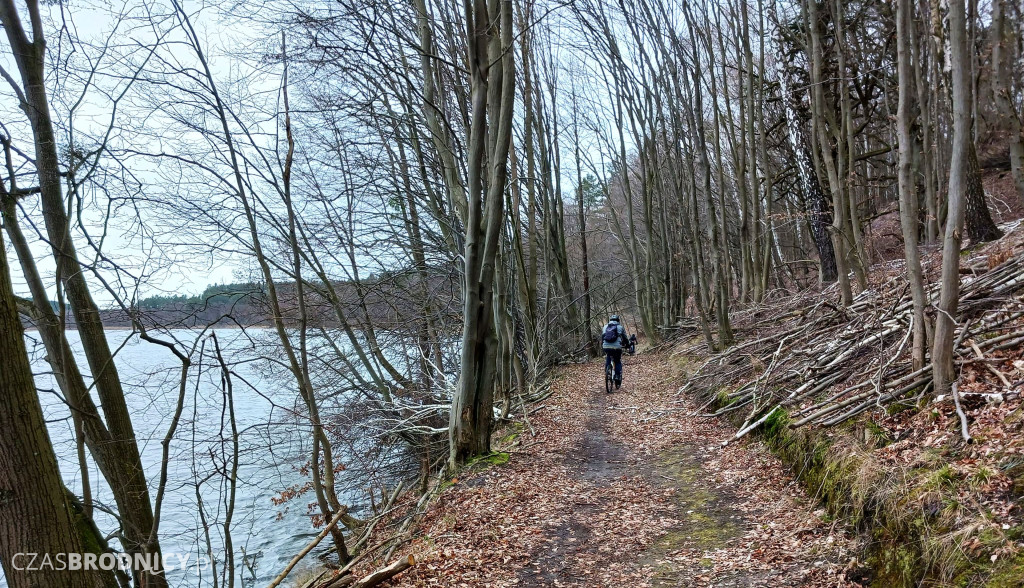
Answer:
[(628, 488)]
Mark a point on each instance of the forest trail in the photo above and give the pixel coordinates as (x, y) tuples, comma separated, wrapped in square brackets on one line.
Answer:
[(628, 488)]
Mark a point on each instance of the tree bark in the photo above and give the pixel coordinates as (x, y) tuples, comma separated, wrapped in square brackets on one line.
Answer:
[(131, 492), (979, 223), (907, 186), (696, 121), (492, 76), (839, 207), (927, 153), (943, 372), (814, 197), (581, 214), (1003, 56), (36, 516)]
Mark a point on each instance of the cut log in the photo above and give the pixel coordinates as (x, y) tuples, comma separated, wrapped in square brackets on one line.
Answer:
[(385, 573), (374, 578)]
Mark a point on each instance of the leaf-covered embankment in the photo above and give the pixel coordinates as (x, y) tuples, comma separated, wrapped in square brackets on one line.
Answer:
[(832, 391)]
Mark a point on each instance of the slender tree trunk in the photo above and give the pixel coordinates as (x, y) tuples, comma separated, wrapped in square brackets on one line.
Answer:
[(907, 186), (927, 154), (326, 495), (1004, 45), (839, 207), (943, 371), (492, 76), (581, 211), (845, 153), (979, 224), (696, 121), (525, 296), (769, 232), (526, 41), (750, 158), (815, 201), (723, 232)]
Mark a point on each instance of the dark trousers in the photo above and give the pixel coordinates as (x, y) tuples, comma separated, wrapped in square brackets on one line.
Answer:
[(616, 356)]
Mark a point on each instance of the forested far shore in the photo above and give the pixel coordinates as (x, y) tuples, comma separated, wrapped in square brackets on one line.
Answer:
[(386, 301)]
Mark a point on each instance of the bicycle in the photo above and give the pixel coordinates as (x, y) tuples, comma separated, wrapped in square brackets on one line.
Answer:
[(610, 382), (609, 377)]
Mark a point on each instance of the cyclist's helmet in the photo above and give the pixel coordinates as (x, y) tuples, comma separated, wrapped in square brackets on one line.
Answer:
[(614, 319)]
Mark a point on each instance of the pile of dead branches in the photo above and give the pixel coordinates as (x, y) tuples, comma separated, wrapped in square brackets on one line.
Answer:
[(824, 364)]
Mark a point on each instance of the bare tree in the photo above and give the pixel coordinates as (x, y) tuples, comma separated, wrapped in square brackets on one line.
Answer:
[(37, 514), (907, 186), (945, 325), (1004, 54), (123, 464), (492, 74)]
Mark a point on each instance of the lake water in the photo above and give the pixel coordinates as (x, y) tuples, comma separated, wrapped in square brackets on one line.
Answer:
[(273, 439)]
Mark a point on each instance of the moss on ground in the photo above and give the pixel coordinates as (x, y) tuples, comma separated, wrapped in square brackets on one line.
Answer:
[(679, 367), (482, 462), (1007, 574), (475, 465), (723, 399), (914, 517), (775, 427), (497, 458), (706, 525), (511, 433)]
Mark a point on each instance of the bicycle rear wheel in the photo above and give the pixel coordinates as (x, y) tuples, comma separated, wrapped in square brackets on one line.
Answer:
[(609, 379)]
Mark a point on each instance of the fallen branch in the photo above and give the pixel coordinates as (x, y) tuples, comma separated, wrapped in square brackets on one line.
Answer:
[(991, 368), (960, 413), (384, 510), (742, 432), (374, 578), (305, 550), (828, 364)]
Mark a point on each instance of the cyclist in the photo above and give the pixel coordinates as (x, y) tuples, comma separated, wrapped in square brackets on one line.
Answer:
[(612, 340), (632, 344)]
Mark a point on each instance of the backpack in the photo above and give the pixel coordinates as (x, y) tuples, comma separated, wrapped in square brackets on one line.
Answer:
[(611, 333)]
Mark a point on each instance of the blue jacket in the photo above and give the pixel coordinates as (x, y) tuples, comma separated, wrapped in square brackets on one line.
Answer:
[(618, 343)]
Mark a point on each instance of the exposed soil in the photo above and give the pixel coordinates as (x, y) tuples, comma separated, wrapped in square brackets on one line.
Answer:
[(628, 488)]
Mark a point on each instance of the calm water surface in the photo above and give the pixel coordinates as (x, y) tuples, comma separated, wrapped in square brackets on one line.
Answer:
[(273, 440)]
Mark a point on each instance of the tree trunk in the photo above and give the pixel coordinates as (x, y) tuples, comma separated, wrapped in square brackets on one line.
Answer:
[(980, 227), (846, 145), (529, 286), (696, 121), (927, 153), (1003, 55), (492, 74), (815, 200), (35, 514), (131, 492), (907, 186), (581, 211), (839, 207), (943, 371)]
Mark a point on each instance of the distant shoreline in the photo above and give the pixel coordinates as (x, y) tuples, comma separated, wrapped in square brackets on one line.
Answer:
[(195, 328)]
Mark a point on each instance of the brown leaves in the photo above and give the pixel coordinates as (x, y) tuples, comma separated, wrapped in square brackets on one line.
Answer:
[(626, 489)]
